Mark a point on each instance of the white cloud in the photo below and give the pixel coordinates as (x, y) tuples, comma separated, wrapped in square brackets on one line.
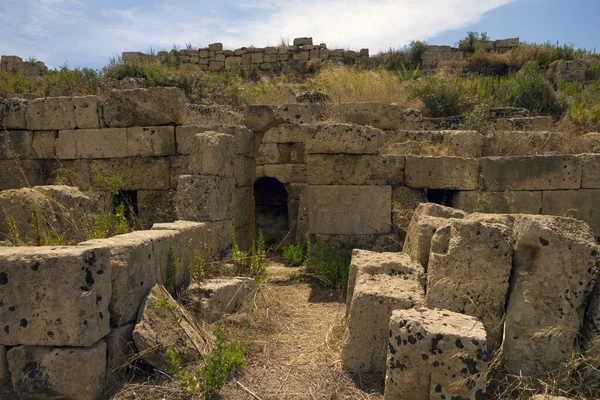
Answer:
[(88, 32)]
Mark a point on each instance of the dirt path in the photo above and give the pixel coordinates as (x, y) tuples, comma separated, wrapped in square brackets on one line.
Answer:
[(293, 341)]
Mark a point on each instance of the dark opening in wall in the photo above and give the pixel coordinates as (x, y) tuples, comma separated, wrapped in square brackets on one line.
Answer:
[(440, 196), (129, 199), (271, 209)]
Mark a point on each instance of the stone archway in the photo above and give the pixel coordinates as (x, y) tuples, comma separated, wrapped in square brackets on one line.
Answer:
[(271, 200)]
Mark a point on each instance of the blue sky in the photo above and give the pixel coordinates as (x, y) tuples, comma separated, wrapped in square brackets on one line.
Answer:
[(89, 32)]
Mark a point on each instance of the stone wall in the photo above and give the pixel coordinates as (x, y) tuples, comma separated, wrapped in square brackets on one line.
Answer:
[(13, 65)]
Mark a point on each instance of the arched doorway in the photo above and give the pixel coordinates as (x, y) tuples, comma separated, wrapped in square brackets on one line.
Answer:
[(271, 199)]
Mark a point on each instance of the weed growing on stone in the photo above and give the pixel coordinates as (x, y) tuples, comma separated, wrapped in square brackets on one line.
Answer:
[(328, 265), (43, 234), (219, 365), (199, 271), (172, 265), (258, 258), (108, 224), (292, 255)]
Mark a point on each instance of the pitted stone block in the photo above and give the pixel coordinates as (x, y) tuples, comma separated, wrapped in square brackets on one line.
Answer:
[(68, 290), (151, 141), (350, 169), (331, 138), (204, 198), (456, 173), (435, 354), (212, 154), (378, 284)]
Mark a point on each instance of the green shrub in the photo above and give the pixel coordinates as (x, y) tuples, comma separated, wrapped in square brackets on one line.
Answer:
[(172, 265), (258, 258), (329, 264), (109, 223), (199, 272), (292, 255), (441, 95)]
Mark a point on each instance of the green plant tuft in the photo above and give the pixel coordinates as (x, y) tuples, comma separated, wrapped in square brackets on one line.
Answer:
[(172, 266), (292, 255)]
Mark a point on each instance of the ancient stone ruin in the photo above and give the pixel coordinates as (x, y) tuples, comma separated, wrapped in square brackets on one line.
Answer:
[(458, 257)]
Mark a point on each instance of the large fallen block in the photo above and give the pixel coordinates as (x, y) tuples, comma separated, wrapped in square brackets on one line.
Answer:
[(427, 218), (58, 372), (469, 271), (435, 354), (555, 262), (54, 296), (214, 298), (378, 284)]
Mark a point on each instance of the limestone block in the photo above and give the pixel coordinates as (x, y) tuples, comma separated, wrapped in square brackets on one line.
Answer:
[(515, 202), (91, 143), (243, 142), (378, 115), (435, 354), (404, 203), (86, 110), (530, 123), (455, 173), (4, 373), (469, 271), (286, 133), (145, 107), (303, 41), (268, 153), (51, 113), (68, 291), (579, 204), (54, 372), (18, 205), (192, 238), (155, 206), (330, 138), (270, 58), (286, 173), (120, 348), (137, 173), (215, 47), (44, 144), (350, 169), (233, 62), (590, 177), (178, 165), (314, 55), (464, 143), (259, 117), (257, 58), (138, 260), (16, 145), (22, 173), (382, 282), (244, 171), (216, 65), (151, 141), (350, 210), (244, 206), (204, 198), (14, 111), (214, 298), (220, 58), (299, 114), (301, 56), (212, 154), (531, 173), (427, 218), (539, 304), (155, 331)]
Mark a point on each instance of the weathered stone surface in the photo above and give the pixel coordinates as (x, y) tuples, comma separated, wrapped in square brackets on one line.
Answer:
[(192, 238), (350, 169), (204, 198), (233, 62), (151, 141), (44, 144), (4, 373), (378, 283), (164, 324), (517, 202), (590, 176), (427, 218), (155, 206), (330, 138), (259, 117), (464, 143), (214, 298), (58, 373), (137, 173), (303, 41), (285, 133), (145, 107), (212, 155), (244, 171), (378, 115), (555, 261), (580, 204), (68, 295), (14, 111), (469, 271), (86, 112), (51, 113), (243, 137), (299, 114), (23, 173), (456, 173), (350, 210), (286, 173), (92, 143), (244, 206), (404, 203), (16, 145), (138, 260), (435, 354), (531, 173)]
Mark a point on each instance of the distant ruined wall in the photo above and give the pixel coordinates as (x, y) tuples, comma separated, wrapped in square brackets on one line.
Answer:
[(16, 65)]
